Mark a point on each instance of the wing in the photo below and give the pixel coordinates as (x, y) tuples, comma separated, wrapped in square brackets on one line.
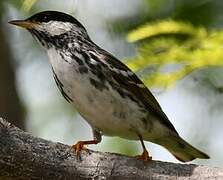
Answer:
[(126, 79)]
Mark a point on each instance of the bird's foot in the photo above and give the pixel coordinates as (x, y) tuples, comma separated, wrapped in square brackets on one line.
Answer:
[(78, 147), (144, 156)]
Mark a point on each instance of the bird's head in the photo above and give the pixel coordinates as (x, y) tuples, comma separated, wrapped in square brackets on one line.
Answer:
[(53, 28)]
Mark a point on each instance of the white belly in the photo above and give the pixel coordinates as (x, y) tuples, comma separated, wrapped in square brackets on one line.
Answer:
[(105, 110)]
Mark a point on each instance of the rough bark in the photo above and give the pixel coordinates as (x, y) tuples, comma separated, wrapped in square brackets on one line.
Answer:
[(23, 156)]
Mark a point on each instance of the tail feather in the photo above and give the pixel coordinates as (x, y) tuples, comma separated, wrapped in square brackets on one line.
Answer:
[(182, 150)]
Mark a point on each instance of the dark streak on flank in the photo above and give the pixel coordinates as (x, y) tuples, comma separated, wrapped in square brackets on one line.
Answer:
[(60, 86), (117, 88), (63, 57), (83, 69), (98, 85), (119, 114), (121, 92), (101, 76), (85, 55), (148, 124), (78, 60), (132, 98), (144, 120), (95, 57), (95, 69), (143, 110)]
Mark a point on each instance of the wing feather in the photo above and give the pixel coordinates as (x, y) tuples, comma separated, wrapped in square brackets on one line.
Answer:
[(129, 80)]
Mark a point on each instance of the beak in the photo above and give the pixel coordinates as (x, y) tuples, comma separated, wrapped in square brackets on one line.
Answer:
[(24, 23)]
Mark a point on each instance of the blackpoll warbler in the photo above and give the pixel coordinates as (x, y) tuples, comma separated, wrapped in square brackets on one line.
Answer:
[(110, 97)]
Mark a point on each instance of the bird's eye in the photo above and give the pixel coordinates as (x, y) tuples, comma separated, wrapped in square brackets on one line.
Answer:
[(45, 18)]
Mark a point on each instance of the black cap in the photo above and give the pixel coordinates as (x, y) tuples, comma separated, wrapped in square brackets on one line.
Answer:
[(47, 16)]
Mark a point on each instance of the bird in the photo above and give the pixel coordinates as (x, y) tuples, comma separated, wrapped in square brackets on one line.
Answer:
[(105, 92)]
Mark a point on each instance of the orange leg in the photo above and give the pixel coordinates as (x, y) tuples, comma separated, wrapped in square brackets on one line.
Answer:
[(79, 146), (145, 155)]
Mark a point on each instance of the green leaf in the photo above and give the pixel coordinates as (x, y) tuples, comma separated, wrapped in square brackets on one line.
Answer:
[(164, 27), (202, 49)]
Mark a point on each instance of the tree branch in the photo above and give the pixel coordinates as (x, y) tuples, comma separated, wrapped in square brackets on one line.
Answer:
[(23, 156)]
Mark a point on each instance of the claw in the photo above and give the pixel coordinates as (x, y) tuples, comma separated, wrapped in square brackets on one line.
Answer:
[(144, 156), (78, 147)]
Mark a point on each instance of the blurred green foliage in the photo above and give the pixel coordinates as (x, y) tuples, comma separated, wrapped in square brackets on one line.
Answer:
[(122, 146), (173, 33), (174, 42), (27, 4), (24, 5)]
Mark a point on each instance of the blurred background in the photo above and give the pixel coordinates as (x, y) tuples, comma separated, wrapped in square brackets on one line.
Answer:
[(175, 47)]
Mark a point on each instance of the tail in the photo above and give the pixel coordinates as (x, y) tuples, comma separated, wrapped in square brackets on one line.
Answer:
[(182, 150)]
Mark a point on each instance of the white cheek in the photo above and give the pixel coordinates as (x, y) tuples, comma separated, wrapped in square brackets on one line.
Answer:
[(55, 28)]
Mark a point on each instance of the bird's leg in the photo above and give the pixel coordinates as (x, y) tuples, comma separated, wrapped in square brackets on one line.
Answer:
[(79, 146), (145, 155)]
